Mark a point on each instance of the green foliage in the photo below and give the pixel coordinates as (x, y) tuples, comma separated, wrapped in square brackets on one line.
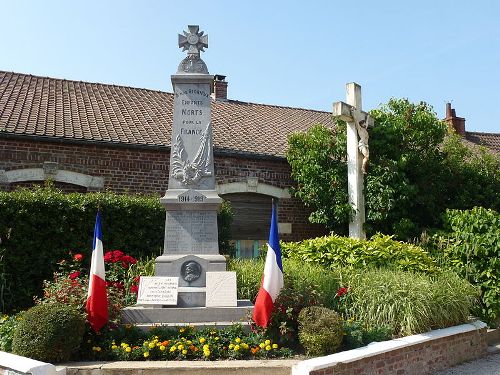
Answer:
[(414, 174), (356, 335), (320, 330), (39, 227), (471, 167), (404, 186), (318, 162), (49, 333), (224, 221), (408, 302), (470, 246), (8, 325), (379, 251)]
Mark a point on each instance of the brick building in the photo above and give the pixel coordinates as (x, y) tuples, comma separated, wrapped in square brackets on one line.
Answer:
[(91, 136)]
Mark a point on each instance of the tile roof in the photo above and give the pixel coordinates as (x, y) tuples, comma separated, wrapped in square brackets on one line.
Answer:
[(490, 140), (72, 110)]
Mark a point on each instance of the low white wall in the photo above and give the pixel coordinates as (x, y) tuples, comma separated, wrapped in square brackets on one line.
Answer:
[(27, 365)]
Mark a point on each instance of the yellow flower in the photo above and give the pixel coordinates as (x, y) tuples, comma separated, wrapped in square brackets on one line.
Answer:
[(236, 348), (268, 347), (172, 349), (146, 354), (162, 348), (217, 338), (181, 330), (231, 346), (189, 342), (180, 347), (151, 345), (184, 352), (202, 340), (128, 349), (238, 340), (275, 346), (96, 348), (206, 347), (206, 353), (267, 342), (262, 345), (113, 347), (244, 345)]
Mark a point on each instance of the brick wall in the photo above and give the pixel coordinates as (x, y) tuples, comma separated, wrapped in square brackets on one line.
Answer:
[(417, 358), (145, 170)]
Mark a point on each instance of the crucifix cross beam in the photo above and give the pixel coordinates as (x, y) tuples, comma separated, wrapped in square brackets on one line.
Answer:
[(358, 153)]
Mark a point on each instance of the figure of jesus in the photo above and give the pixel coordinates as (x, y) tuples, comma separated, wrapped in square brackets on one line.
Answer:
[(361, 126)]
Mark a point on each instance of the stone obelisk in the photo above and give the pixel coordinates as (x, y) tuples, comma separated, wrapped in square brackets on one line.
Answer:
[(191, 201)]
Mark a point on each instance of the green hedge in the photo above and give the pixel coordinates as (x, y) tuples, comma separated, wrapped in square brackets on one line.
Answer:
[(379, 251), (38, 227), (470, 246)]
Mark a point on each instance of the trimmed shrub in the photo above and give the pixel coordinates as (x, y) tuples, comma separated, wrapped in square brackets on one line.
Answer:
[(320, 330), (408, 302), (39, 226), (379, 251), (470, 246), (49, 333)]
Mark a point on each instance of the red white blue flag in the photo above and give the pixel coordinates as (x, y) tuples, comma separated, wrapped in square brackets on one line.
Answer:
[(97, 299), (272, 281)]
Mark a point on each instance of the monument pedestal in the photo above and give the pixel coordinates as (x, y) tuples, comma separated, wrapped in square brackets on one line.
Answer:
[(191, 247), (197, 316)]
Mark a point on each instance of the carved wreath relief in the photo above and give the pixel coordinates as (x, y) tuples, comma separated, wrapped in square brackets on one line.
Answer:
[(191, 172)]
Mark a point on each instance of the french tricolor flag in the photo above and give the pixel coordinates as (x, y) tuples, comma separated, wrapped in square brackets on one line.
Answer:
[(272, 281), (97, 299)]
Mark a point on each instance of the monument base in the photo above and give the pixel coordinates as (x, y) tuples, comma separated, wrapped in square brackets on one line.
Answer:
[(180, 316)]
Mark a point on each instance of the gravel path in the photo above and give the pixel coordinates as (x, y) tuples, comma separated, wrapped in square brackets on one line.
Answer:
[(489, 365)]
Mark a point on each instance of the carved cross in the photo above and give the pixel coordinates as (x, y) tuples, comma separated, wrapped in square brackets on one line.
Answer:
[(357, 153), (193, 40)]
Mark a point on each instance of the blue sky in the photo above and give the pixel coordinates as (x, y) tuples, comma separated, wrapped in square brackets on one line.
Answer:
[(290, 53)]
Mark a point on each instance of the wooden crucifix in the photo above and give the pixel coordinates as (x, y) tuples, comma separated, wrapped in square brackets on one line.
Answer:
[(357, 153)]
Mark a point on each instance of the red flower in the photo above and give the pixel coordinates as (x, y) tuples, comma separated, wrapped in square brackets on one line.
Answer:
[(74, 275), (341, 292), (134, 289), (78, 257), (118, 285), (117, 255), (108, 257), (137, 279)]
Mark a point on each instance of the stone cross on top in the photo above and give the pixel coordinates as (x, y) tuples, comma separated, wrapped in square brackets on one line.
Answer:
[(193, 41), (357, 153)]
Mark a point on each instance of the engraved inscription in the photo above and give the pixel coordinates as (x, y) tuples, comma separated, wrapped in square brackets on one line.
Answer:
[(191, 232), (157, 290)]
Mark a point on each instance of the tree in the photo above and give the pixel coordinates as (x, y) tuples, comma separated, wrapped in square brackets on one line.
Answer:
[(413, 175)]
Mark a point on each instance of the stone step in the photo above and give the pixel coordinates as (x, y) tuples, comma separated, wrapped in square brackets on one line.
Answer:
[(186, 315)]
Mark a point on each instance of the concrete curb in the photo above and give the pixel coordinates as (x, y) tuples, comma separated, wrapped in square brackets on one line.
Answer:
[(250, 367)]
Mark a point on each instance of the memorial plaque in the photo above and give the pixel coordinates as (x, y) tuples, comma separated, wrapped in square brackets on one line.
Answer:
[(221, 289), (158, 290)]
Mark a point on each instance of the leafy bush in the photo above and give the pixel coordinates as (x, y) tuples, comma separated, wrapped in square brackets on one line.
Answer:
[(320, 330), (379, 251), (49, 333), (8, 325), (408, 302), (357, 335), (471, 247), (38, 227)]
